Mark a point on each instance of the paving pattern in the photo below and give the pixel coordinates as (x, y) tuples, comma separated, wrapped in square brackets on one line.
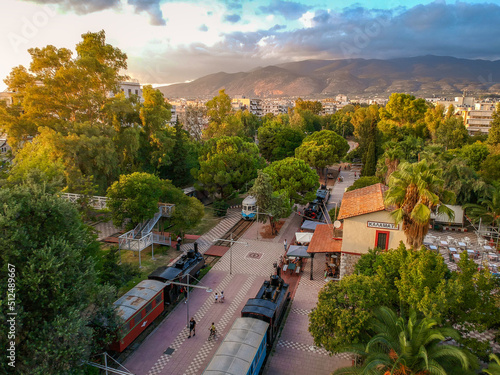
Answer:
[(206, 240)]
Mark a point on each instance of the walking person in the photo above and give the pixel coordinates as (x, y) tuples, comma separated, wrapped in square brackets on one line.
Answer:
[(216, 297), (285, 243), (185, 291), (213, 331), (192, 327), (221, 297)]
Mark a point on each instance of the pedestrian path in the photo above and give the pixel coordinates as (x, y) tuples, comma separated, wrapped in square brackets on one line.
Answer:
[(295, 351)]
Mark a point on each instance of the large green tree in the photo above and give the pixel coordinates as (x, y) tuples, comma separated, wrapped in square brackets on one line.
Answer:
[(134, 196), (452, 133), (227, 164), (57, 299), (277, 142), (219, 107), (322, 148), (271, 204), (416, 190), (295, 177), (404, 109)]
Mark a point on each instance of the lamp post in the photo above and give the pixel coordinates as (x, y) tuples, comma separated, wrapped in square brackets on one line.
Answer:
[(230, 250), (187, 285)]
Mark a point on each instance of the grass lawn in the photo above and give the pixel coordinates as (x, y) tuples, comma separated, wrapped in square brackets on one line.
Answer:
[(163, 255)]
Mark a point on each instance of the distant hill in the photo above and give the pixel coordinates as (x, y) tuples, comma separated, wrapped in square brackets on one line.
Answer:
[(423, 75)]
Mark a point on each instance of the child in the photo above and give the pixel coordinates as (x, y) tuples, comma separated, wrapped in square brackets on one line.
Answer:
[(221, 298), (216, 297)]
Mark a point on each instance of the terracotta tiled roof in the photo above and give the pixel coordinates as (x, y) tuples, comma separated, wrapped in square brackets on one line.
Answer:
[(323, 241), (363, 201)]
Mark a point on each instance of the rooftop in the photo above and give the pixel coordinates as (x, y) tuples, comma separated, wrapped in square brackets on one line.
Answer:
[(323, 240), (363, 201)]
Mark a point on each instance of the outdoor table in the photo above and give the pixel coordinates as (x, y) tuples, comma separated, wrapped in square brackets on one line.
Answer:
[(471, 253), (486, 247), (444, 243), (462, 244), (453, 250), (291, 267), (433, 247), (493, 256), (456, 257)]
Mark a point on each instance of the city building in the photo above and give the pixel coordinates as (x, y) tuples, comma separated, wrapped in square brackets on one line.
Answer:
[(477, 119), (276, 106)]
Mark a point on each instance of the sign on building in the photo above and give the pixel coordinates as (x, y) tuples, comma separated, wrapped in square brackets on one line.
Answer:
[(381, 225)]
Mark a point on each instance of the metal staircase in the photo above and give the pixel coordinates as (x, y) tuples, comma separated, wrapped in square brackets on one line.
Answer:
[(142, 236)]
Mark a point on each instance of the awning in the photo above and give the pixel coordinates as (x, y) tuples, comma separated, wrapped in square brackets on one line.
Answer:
[(298, 251), (310, 225), (303, 237)]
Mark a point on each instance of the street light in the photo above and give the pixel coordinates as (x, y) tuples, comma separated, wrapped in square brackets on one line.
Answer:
[(208, 290), (230, 250)]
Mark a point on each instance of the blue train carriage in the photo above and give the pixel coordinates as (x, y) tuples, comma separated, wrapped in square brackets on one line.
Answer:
[(243, 350), (269, 305), (248, 212), (189, 264)]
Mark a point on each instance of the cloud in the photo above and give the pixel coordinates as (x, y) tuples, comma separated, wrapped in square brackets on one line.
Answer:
[(288, 9), (203, 28), (233, 18), (459, 29), (152, 7)]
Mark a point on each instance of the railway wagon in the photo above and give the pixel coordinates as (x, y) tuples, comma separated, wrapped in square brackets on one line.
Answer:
[(243, 350), (137, 309), (249, 209), (269, 305), (190, 264)]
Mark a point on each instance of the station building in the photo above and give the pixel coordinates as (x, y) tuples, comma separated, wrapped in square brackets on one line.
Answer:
[(367, 223)]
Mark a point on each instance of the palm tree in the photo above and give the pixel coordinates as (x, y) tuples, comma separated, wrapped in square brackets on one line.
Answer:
[(488, 207), (410, 346), (494, 366), (416, 190)]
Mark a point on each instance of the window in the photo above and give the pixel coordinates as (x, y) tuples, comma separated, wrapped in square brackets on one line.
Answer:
[(382, 240), (158, 300), (149, 307), (131, 323), (136, 92)]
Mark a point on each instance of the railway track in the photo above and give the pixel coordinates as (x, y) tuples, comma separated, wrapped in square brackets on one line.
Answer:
[(234, 233)]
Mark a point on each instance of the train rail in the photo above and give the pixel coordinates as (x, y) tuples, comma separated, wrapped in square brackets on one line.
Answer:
[(234, 233)]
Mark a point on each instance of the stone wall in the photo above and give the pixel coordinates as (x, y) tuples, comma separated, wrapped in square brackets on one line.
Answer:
[(347, 263)]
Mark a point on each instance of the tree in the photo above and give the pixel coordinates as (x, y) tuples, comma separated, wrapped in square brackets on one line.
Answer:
[(389, 162), (295, 177), (490, 167), (363, 182), (272, 205), (219, 107), (462, 180), (343, 310), (494, 132), (322, 148), (45, 99), (488, 207), (494, 366), (134, 196), (452, 133), (370, 161), (227, 164), (314, 107), (410, 346), (277, 142), (192, 119), (57, 296), (404, 109), (434, 117), (475, 154), (230, 126), (416, 190)]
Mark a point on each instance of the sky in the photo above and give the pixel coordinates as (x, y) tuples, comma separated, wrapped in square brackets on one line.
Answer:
[(170, 41)]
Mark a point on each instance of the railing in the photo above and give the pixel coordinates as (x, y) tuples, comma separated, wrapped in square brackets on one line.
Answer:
[(95, 201), (127, 241)]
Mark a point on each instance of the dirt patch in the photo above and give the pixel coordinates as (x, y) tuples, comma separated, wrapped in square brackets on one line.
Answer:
[(267, 233)]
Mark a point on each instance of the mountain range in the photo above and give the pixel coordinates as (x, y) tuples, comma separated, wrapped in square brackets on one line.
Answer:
[(423, 75)]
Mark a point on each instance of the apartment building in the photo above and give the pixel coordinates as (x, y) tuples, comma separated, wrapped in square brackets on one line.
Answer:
[(240, 102), (477, 119), (276, 106)]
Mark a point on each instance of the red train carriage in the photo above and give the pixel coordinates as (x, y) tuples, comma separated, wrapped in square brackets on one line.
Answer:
[(138, 308)]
